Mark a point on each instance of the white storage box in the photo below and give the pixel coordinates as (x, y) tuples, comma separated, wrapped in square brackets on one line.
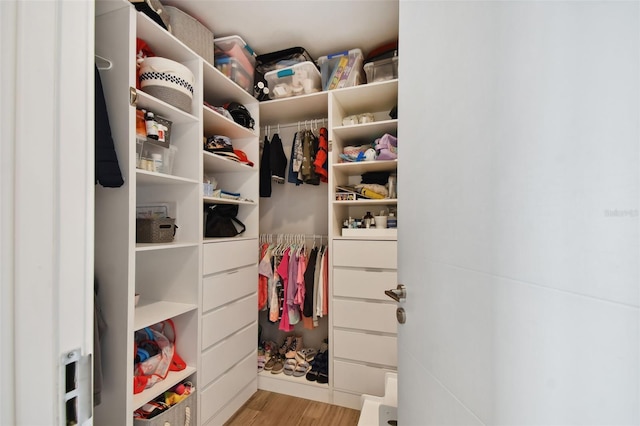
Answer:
[(382, 70), (167, 80), (153, 157), (343, 69), (299, 79)]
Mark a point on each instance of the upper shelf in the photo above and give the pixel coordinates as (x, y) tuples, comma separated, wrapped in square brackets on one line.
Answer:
[(219, 89), (360, 167), (216, 124), (293, 109), (381, 96), (368, 131)]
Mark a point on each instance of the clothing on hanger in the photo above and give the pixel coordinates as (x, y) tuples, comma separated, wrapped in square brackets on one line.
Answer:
[(320, 163), (278, 160), (265, 169), (295, 160), (107, 169)]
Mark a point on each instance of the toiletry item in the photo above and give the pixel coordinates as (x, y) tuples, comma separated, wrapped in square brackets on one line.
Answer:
[(152, 125), (392, 220)]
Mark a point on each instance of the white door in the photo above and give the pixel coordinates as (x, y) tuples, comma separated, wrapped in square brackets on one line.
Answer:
[(46, 304), (519, 215)]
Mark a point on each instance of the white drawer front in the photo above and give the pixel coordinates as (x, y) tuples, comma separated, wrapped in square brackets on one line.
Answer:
[(364, 347), (359, 378), (363, 283), (229, 255), (224, 321), (222, 288), (370, 316), (366, 254), (222, 356), (224, 389)]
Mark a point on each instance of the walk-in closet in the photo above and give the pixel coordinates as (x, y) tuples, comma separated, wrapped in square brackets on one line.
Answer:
[(243, 237)]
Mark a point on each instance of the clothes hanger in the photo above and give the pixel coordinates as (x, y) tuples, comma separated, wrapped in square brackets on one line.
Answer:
[(103, 63)]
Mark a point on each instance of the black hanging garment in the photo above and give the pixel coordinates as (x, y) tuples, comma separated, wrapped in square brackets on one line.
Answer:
[(278, 160), (295, 160), (107, 170), (265, 169)]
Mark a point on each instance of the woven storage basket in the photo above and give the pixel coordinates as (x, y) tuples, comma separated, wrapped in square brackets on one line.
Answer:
[(167, 80), (175, 416), (191, 32), (155, 230)]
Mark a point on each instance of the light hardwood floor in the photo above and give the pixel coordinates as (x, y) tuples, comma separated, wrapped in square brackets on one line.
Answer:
[(273, 409)]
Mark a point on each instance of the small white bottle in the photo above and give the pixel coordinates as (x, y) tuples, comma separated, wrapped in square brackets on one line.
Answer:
[(156, 161)]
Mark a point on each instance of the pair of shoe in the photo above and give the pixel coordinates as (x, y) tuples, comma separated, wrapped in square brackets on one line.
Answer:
[(295, 368), (275, 364), (290, 346), (319, 371), (306, 355)]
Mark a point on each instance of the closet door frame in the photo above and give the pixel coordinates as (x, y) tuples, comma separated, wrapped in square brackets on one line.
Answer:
[(47, 191)]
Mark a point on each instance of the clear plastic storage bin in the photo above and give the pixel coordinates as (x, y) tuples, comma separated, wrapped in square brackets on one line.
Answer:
[(342, 69), (299, 79), (244, 59), (382, 70), (154, 158)]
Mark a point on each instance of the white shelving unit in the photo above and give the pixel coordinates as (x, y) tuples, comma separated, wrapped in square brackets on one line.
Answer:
[(176, 279), (362, 341), (379, 99)]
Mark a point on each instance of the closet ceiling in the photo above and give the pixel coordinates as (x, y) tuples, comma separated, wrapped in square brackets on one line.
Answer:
[(322, 27)]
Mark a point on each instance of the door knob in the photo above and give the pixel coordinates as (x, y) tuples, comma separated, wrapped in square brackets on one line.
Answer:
[(398, 294)]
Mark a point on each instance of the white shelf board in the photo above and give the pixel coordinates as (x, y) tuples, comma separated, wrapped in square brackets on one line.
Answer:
[(219, 89), (216, 124), (172, 379), (295, 386), (222, 240), (218, 163), (161, 42), (163, 246), (163, 109), (368, 131), (297, 108), (367, 202), (149, 312), (214, 200), (145, 177), (381, 96), (360, 167)]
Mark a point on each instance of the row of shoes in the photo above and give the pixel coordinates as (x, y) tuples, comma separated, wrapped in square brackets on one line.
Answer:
[(293, 359), (319, 367)]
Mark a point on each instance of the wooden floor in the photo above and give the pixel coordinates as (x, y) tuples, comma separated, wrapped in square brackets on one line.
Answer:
[(273, 409)]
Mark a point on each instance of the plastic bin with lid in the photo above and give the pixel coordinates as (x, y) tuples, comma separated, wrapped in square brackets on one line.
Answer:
[(382, 70), (342, 69), (232, 68), (299, 79), (235, 47)]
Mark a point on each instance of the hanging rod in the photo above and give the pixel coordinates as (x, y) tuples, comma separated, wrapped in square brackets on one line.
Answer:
[(103, 63), (320, 122)]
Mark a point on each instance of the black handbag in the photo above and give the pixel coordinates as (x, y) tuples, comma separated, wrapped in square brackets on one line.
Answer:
[(220, 221)]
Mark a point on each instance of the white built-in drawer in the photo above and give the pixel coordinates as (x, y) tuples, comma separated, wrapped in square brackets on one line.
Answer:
[(223, 390), (364, 347), (366, 254), (363, 283), (227, 255), (219, 358), (228, 319), (224, 287), (372, 316), (359, 378)]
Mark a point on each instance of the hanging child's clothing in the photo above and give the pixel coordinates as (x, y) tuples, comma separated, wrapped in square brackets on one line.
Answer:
[(265, 169), (278, 160)]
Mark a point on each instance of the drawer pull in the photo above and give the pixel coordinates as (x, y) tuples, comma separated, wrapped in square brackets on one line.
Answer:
[(373, 270)]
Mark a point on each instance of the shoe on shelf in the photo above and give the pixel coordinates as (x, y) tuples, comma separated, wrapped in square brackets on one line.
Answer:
[(290, 366), (295, 346), (284, 348), (306, 354), (278, 366)]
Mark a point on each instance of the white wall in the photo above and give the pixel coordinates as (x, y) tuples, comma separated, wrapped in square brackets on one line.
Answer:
[(519, 128)]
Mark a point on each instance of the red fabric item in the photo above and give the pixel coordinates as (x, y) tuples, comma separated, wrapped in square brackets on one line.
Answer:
[(142, 51), (321, 156)]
